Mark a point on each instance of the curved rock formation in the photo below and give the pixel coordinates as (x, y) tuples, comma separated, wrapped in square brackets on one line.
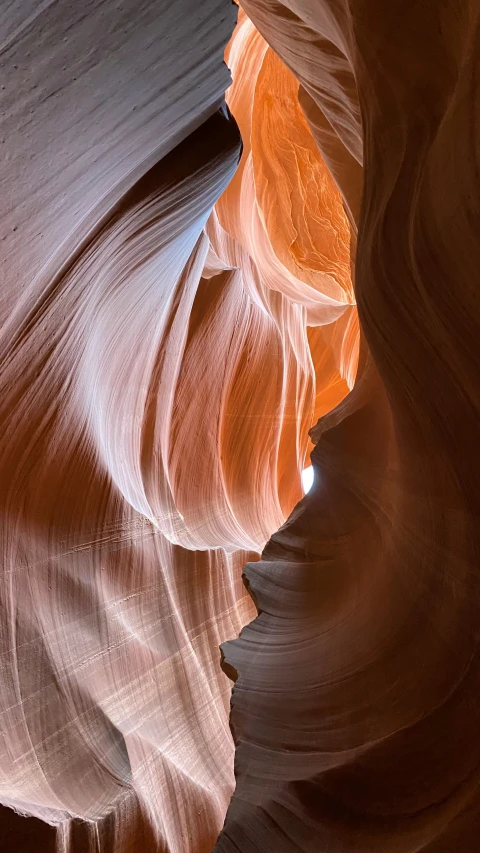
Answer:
[(355, 711), (158, 382), (114, 709), (178, 309)]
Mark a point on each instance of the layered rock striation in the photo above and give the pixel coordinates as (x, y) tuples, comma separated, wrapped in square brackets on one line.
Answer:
[(196, 294)]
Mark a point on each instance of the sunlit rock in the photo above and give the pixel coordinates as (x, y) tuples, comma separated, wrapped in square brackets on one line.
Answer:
[(197, 297)]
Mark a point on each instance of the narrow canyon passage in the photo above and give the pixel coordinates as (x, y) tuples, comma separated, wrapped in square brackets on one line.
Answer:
[(239, 374)]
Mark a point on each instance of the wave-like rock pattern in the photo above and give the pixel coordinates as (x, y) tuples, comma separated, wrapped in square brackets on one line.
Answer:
[(113, 706), (176, 311), (163, 355), (282, 224), (355, 709), (111, 628)]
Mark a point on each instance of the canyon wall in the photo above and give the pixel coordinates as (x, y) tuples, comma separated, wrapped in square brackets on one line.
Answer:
[(196, 294), (355, 709)]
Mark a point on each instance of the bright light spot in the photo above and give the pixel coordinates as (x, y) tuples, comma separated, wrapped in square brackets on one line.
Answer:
[(307, 479)]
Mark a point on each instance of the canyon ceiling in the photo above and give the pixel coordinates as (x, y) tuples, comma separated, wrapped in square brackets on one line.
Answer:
[(232, 238)]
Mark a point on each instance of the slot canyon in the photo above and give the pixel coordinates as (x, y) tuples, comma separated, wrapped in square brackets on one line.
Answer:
[(240, 421)]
